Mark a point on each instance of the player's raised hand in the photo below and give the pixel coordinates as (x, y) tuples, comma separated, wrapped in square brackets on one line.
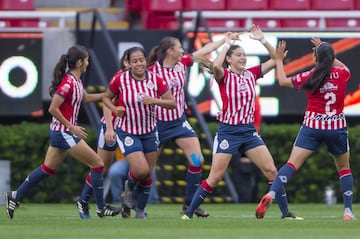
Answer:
[(281, 51)]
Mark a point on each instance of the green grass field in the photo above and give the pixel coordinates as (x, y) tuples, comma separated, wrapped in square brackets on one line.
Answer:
[(226, 221)]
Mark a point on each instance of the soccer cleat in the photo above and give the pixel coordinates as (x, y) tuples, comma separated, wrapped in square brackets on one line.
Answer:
[(83, 208), (127, 197), (185, 217), (263, 206), (291, 216), (198, 211), (349, 217), (126, 212), (11, 204), (108, 211), (140, 214)]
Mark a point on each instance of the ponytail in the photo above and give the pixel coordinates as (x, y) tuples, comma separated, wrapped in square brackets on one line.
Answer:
[(58, 74), (67, 61), (324, 55), (153, 55)]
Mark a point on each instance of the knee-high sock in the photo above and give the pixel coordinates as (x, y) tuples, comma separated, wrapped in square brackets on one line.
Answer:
[(193, 177), (132, 181), (278, 186), (281, 199), (87, 190), (97, 180), (143, 193), (346, 183), (32, 180), (203, 191)]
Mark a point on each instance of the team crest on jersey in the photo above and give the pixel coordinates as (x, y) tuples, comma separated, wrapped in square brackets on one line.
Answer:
[(177, 68), (224, 144), (243, 87), (173, 82), (150, 85), (140, 96), (128, 141)]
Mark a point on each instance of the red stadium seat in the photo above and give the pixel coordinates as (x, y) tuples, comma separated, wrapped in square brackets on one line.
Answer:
[(225, 23), (356, 4), (216, 24), (4, 23), (247, 5), (162, 5), (342, 23), (289, 4), (28, 22), (268, 23), (17, 5), (333, 5), (204, 5), (157, 20), (300, 23), (133, 9)]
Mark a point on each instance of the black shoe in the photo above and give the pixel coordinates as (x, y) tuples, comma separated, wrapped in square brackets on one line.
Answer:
[(108, 211), (291, 216), (83, 208), (198, 211), (11, 204), (126, 212)]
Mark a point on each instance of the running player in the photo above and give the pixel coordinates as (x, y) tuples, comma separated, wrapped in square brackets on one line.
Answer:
[(138, 91), (106, 148), (66, 137)]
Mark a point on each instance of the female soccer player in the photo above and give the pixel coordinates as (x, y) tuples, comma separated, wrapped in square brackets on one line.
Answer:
[(66, 137), (167, 61), (236, 132), (138, 91), (324, 120), (106, 148)]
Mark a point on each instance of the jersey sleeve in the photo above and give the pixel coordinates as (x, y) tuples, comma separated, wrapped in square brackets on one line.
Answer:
[(114, 84), (186, 60), (298, 79), (256, 71), (344, 72), (65, 87), (162, 85)]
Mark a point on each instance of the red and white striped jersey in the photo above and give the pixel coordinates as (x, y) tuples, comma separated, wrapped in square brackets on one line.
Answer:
[(325, 106), (72, 90), (138, 118), (238, 96), (176, 79), (116, 103)]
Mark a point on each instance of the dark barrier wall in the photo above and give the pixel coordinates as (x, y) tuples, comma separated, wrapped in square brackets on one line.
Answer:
[(20, 71), (277, 104)]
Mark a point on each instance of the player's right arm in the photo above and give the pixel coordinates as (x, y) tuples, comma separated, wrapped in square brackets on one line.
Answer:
[(281, 52)]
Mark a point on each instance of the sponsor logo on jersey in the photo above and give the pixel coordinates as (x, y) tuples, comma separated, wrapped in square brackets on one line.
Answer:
[(328, 86)]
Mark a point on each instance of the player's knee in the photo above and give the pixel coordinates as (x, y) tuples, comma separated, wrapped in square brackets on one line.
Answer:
[(270, 173), (196, 159)]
